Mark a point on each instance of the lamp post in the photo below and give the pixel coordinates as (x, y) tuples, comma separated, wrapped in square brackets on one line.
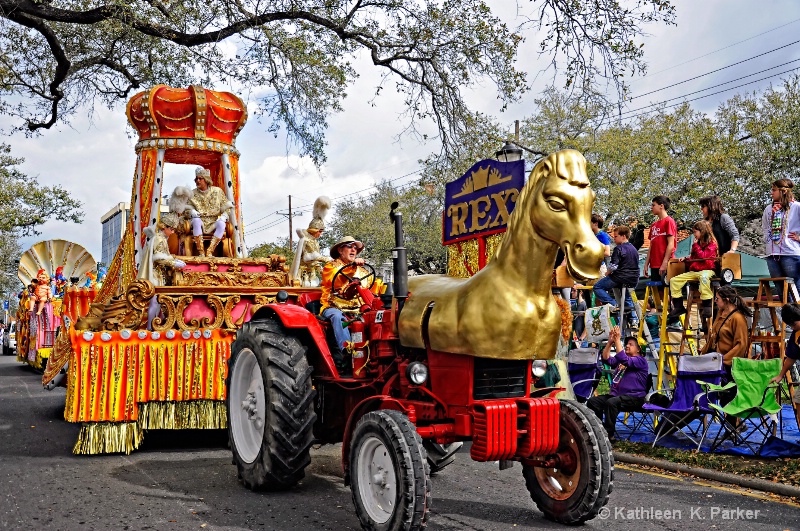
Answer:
[(509, 153)]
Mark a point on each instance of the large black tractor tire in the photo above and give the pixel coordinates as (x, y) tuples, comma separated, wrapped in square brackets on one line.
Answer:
[(441, 455), (389, 474), (270, 406), (574, 495)]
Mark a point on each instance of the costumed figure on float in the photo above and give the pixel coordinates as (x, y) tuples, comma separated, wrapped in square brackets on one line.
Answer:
[(312, 259)]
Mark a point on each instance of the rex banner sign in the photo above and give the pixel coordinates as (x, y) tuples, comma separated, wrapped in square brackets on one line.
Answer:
[(479, 202)]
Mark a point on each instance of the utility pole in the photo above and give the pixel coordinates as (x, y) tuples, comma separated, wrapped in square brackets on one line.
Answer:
[(516, 131), (290, 214)]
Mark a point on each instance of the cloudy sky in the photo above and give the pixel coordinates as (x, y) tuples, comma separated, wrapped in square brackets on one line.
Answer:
[(94, 156)]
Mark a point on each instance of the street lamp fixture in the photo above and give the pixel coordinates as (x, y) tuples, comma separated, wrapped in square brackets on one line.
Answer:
[(509, 153)]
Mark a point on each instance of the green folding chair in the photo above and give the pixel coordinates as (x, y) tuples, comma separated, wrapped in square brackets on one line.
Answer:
[(750, 418)]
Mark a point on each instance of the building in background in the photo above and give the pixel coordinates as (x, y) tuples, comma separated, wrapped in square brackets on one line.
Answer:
[(114, 222)]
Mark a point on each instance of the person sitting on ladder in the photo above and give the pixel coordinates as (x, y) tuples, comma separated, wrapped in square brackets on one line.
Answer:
[(702, 265)]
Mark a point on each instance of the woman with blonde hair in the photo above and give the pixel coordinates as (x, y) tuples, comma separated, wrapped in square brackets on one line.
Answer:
[(781, 226), (702, 265)]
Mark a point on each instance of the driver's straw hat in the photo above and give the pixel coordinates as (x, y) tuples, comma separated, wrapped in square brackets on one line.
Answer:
[(346, 239)]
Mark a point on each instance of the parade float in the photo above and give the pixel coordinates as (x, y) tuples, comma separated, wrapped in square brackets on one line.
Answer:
[(60, 279), (152, 351)]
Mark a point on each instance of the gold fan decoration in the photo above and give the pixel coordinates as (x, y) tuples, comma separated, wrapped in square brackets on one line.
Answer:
[(52, 254)]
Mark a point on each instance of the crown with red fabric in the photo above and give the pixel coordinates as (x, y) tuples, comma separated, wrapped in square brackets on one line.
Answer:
[(186, 118)]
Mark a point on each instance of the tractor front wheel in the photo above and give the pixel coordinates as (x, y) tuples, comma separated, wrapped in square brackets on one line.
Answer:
[(270, 406), (389, 473), (578, 488)]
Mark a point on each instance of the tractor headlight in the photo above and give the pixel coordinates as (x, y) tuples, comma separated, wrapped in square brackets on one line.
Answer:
[(417, 373), (538, 368)]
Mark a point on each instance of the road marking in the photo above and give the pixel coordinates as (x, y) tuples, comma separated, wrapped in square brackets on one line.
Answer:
[(753, 494), (775, 498), (648, 472)]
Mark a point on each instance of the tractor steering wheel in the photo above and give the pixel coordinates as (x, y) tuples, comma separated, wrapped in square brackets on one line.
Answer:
[(350, 279)]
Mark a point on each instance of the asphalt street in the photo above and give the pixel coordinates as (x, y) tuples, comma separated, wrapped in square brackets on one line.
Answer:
[(185, 480)]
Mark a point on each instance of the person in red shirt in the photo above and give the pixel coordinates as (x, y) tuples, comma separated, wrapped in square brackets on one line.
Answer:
[(702, 266), (662, 239)]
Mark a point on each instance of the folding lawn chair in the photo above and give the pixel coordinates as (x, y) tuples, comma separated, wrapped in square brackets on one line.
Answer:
[(688, 401), (750, 418), (641, 419), (584, 372)]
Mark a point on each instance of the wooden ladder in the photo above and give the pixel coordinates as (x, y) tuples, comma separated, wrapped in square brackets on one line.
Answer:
[(765, 300), (666, 349), (690, 337)]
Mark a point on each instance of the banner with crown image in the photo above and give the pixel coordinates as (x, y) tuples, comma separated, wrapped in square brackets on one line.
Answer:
[(480, 202)]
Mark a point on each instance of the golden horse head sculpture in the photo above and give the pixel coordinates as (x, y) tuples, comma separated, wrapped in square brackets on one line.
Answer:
[(507, 309)]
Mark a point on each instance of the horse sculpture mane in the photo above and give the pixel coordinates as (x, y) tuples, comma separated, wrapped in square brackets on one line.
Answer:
[(507, 309)]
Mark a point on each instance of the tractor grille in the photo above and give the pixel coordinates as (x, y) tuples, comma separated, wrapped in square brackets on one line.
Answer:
[(499, 378)]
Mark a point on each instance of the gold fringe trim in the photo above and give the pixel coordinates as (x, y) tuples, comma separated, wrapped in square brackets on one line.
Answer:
[(124, 437), (193, 414), (108, 438)]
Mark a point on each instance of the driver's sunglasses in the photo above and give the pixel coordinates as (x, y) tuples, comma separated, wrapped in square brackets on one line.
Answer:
[(349, 245)]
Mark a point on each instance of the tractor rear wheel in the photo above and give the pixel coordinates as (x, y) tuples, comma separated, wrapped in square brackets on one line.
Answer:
[(441, 455), (270, 406), (389, 473), (575, 491)]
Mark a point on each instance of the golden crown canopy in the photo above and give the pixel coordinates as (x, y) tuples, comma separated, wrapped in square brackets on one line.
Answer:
[(186, 120)]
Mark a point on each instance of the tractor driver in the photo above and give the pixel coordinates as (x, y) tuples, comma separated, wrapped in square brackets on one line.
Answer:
[(334, 303)]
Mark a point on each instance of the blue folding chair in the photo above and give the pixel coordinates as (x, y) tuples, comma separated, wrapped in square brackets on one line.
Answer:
[(641, 419), (688, 401), (584, 372)]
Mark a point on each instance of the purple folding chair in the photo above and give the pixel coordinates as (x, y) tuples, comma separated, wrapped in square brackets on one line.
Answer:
[(688, 400)]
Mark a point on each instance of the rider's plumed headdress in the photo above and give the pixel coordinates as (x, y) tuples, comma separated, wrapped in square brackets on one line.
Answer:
[(321, 207), (205, 174)]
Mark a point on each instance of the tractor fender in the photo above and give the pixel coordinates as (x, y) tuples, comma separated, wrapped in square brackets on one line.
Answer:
[(296, 317), (372, 403)]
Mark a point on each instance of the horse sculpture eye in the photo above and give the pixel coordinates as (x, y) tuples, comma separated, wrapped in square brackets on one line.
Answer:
[(556, 205)]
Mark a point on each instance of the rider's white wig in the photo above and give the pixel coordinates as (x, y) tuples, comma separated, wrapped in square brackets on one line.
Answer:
[(205, 174)]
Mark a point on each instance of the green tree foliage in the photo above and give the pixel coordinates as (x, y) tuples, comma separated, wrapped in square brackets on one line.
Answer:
[(297, 56), (24, 204), (280, 247), (736, 153), (367, 219)]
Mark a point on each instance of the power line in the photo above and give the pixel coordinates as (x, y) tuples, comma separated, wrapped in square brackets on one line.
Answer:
[(714, 71), (712, 94), (711, 87), (306, 209), (720, 49), (370, 187)]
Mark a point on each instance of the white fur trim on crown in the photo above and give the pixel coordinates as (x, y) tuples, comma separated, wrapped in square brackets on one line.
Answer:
[(202, 171)]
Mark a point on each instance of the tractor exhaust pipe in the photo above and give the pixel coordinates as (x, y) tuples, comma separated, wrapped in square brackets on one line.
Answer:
[(399, 258)]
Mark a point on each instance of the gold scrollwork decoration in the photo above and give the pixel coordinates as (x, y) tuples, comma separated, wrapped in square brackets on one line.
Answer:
[(180, 307), (230, 303), (139, 293), (217, 304), (170, 314)]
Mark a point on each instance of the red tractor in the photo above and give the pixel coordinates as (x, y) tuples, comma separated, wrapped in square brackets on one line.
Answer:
[(406, 408)]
